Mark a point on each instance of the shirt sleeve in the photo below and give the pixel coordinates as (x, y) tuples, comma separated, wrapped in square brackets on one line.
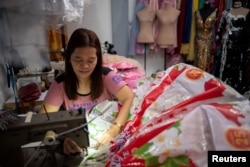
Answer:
[(55, 94), (113, 82)]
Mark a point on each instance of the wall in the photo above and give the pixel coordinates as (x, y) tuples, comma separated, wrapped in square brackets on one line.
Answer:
[(97, 17)]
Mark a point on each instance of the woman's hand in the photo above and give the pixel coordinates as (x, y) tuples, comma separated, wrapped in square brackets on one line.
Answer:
[(70, 146), (108, 135), (125, 96)]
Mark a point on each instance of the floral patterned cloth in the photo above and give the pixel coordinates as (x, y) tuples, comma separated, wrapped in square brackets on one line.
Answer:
[(98, 123)]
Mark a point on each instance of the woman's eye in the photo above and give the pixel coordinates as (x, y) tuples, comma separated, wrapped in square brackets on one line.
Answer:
[(77, 60)]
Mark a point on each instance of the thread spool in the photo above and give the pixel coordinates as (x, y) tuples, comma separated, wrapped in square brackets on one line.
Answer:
[(50, 138)]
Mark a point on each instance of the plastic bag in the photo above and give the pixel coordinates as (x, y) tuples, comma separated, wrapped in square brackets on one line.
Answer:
[(64, 11)]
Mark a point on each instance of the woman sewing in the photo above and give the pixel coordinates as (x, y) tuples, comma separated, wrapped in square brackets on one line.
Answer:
[(85, 83)]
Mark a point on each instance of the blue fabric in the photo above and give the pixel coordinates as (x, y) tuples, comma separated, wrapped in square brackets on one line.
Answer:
[(188, 22), (135, 29), (229, 4)]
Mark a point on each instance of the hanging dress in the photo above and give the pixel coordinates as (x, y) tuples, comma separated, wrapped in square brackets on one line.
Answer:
[(204, 39), (234, 50)]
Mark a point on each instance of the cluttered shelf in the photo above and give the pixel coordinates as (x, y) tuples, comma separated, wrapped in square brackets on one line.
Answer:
[(34, 74), (11, 103)]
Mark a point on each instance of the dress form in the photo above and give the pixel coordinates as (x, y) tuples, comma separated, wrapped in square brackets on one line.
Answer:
[(167, 17), (239, 11), (146, 18)]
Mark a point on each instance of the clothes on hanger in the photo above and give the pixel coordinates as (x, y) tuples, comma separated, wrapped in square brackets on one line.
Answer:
[(205, 21), (234, 46)]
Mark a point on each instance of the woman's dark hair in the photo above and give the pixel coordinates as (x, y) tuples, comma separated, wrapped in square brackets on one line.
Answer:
[(82, 38)]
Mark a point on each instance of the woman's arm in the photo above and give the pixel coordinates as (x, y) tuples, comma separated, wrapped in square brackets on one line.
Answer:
[(54, 98), (48, 108), (125, 96)]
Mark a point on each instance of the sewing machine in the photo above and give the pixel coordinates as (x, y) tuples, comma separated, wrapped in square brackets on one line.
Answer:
[(32, 128)]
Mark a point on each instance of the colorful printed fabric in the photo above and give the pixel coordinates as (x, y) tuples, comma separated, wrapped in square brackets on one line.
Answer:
[(179, 115)]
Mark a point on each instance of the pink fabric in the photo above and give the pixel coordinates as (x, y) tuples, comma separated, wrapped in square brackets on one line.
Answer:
[(123, 66), (127, 71), (162, 3), (131, 77), (56, 95), (172, 59)]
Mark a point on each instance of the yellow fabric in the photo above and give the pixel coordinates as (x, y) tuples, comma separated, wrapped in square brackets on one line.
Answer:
[(191, 54), (196, 5), (184, 48)]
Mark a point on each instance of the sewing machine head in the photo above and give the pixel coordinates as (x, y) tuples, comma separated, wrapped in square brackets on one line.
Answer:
[(36, 128), (26, 130)]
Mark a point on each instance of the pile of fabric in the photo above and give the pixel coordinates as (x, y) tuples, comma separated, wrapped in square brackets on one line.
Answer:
[(177, 116), (129, 69)]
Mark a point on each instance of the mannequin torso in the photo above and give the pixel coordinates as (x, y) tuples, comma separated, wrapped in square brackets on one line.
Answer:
[(239, 11), (167, 17), (146, 18)]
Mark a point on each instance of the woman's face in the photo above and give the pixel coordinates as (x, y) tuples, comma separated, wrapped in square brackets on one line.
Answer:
[(84, 60)]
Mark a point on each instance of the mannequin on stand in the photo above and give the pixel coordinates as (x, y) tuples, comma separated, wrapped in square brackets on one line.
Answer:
[(233, 38), (167, 19), (146, 18), (205, 21)]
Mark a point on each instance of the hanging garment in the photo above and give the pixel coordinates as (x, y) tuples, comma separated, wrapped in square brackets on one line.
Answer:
[(201, 4), (188, 20), (154, 6), (234, 48), (188, 48), (134, 47), (180, 26), (204, 39), (187, 27)]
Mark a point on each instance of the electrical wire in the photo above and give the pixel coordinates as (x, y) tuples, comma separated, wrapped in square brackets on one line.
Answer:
[(33, 155)]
